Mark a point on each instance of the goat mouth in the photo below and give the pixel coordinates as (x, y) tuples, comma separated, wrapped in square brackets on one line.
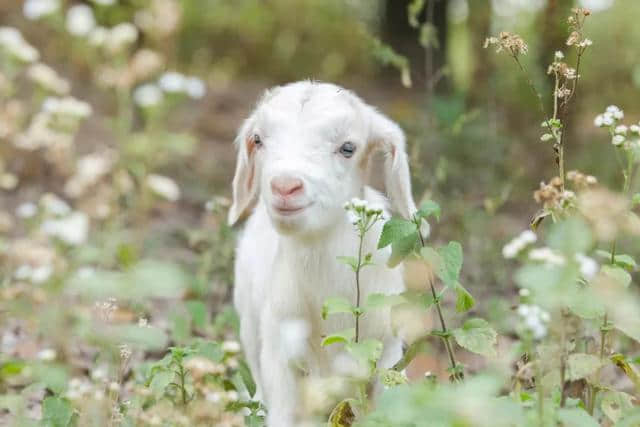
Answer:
[(290, 210)]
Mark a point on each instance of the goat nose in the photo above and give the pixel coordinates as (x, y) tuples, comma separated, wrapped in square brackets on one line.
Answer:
[(285, 186)]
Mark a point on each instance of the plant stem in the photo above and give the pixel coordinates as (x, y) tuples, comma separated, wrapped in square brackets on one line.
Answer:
[(359, 266), (181, 374), (563, 361), (532, 86)]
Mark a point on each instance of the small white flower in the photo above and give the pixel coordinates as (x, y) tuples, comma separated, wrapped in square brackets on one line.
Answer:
[(48, 79), (100, 373), (585, 43), (621, 130), (143, 322), (27, 210), (147, 95), (121, 35), (172, 82), (73, 229), (69, 106), (47, 354), (524, 292), (634, 129), (510, 250), (608, 119), (195, 87), (617, 140), (546, 255), (523, 310), (588, 266), (24, 272), (36, 9), (54, 205), (528, 236), (230, 346), (80, 20), (599, 121), (41, 274), (11, 40), (164, 187), (559, 55), (353, 217)]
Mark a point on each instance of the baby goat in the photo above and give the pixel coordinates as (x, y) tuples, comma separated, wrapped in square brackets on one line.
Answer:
[(307, 149)]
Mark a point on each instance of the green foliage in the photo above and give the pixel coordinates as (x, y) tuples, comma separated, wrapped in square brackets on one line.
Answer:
[(56, 412), (477, 336)]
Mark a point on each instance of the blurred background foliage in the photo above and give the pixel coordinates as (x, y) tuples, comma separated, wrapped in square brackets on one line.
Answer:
[(470, 118)]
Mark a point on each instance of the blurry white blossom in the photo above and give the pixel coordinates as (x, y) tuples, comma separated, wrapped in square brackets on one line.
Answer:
[(11, 41), (73, 229), (54, 205), (518, 243), (231, 346), (559, 55), (69, 106), (36, 9), (546, 255), (98, 36), (104, 2), (121, 36), (164, 187), (621, 130), (195, 88), (47, 354), (48, 79), (41, 273), (618, 140), (89, 169), (147, 95), (588, 266), (535, 319), (80, 20), (27, 210), (174, 82)]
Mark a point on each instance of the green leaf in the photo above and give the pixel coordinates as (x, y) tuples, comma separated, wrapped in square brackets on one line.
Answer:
[(211, 350), (198, 311), (351, 261), (402, 248), (160, 381), (335, 305), (477, 336), (342, 415), (56, 412), (576, 417), (368, 350), (379, 300), (54, 376), (339, 337), (429, 208), (617, 274), (635, 200), (570, 236), (615, 403), (395, 230), (247, 379), (446, 261), (622, 260), (464, 300), (581, 365)]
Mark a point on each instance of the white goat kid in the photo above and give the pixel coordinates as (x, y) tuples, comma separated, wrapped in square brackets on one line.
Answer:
[(306, 150)]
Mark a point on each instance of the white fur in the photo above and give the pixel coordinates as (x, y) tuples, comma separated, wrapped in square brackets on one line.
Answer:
[(286, 265)]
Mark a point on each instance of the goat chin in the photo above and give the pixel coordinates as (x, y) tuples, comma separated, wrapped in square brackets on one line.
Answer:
[(292, 178)]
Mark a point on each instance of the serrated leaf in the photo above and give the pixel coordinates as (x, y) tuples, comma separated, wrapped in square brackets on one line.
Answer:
[(339, 337), (379, 300), (617, 274), (395, 230), (350, 261), (56, 412), (402, 248), (464, 300), (335, 305), (615, 403), (581, 365), (576, 417), (368, 350), (477, 336), (429, 208), (447, 263)]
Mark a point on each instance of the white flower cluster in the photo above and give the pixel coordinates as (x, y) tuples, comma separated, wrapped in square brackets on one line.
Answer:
[(15, 45), (588, 266), (67, 106), (620, 134), (164, 187), (72, 229), (361, 211), (535, 319), (47, 78), (36, 9), (171, 82), (81, 22), (515, 246)]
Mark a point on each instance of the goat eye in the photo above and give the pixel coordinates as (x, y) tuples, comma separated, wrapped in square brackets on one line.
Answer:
[(256, 140), (348, 149)]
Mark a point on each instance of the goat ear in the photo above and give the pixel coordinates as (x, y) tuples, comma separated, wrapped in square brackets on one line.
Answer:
[(245, 181), (387, 137)]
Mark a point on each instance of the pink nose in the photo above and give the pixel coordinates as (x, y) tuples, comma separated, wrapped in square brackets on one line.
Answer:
[(286, 186)]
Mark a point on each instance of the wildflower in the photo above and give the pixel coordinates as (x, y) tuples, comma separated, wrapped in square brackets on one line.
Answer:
[(512, 43), (125, 352), (574, 37), (634, 129), (621, 130), (120, 36), (41, 273), (588, 266), (549, 194), (48, 79), (23, 272), (581, 180), (144, 63), (585, 43), (54, 205), (195, 88), (99, 373), (517, 244), (615, 112), (89, 169), (164, 187), (36, 9), (546, 255), (98, 36), (172, 82), (147, 95), (599, 121), (143, 322), (11, 40), (524, 292), (80, 20), (230, 346), (617, 140), (72, 230), (68, 106), (27, 210), (47, 354), (559, 55), (535, 319)]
